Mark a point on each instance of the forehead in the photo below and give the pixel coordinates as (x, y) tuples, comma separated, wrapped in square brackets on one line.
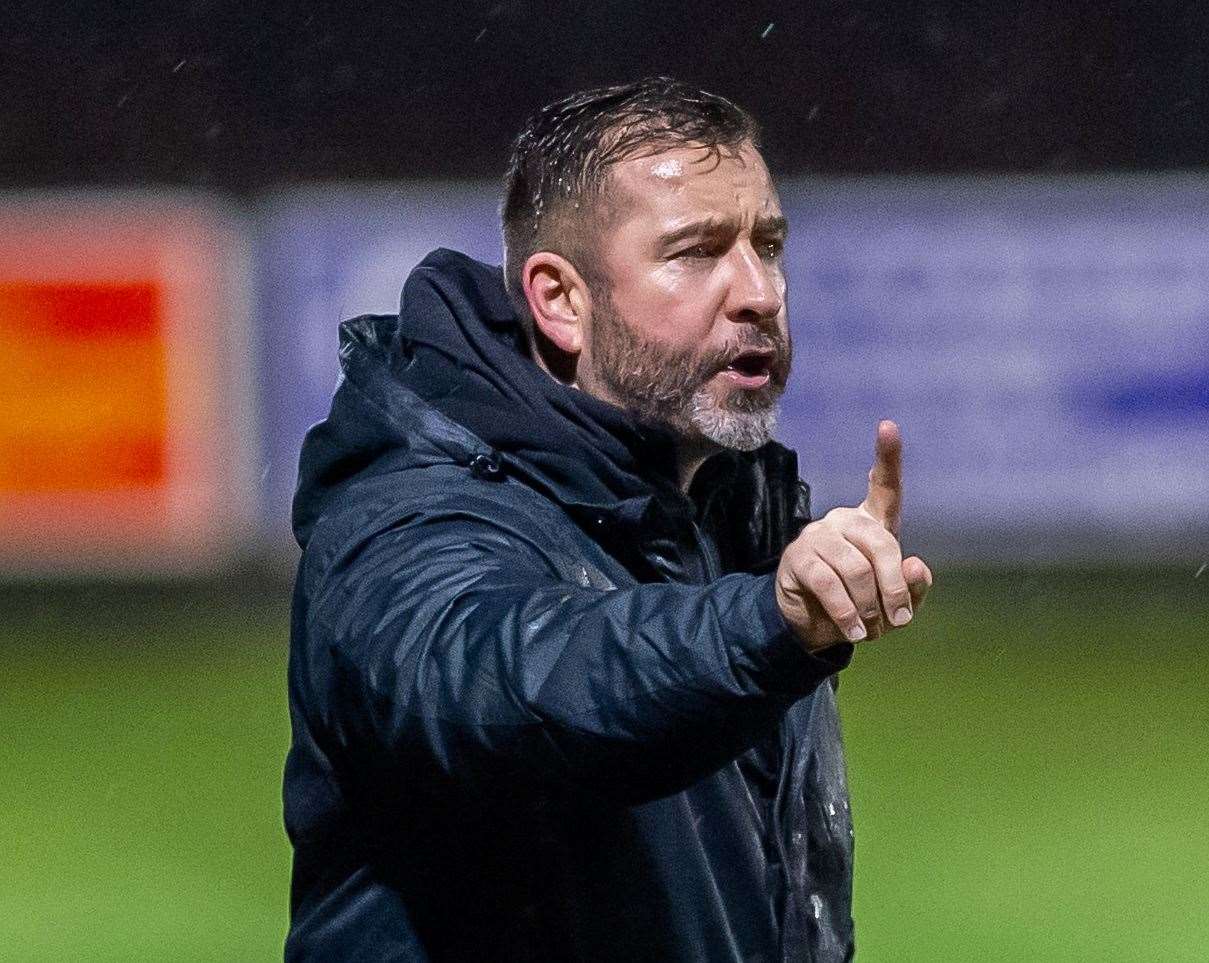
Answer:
[(688, 180)]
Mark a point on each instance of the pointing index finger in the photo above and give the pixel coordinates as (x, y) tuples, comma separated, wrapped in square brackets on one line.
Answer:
[(885, 499)]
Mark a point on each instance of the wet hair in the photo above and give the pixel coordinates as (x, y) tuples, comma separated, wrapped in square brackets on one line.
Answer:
[(557, 181)]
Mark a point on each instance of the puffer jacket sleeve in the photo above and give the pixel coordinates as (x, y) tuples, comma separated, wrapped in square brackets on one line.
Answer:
[(456, 650)]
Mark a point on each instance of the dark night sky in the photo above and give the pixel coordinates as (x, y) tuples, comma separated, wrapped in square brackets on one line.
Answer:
[(240, 95)]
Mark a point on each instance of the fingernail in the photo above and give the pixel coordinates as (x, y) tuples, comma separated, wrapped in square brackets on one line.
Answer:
[(901, 616), (856, 632)]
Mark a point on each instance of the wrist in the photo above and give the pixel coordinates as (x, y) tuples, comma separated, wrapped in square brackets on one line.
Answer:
[(826, 657)]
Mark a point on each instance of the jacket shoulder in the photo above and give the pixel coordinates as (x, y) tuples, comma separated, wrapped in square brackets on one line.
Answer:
[(520, 517)]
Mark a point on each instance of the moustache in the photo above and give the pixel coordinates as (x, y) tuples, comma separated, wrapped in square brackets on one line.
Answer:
[(771, 344)]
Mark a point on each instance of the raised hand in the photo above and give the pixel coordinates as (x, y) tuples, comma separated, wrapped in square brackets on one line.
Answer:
[(844, 577)]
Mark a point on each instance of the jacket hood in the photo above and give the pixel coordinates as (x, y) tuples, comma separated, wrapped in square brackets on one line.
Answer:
[(450, 378)]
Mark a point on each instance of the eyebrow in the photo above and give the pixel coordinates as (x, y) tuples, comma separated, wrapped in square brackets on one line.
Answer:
[(775, 225)]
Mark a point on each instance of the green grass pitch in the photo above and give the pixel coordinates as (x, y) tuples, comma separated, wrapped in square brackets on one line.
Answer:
[(1029, 766)]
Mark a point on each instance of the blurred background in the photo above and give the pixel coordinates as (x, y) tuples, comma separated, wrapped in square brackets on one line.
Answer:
[(1000, 219)]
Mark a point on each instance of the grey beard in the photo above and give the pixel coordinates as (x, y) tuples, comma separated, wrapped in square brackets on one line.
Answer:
[(729, 428), (670, 390)]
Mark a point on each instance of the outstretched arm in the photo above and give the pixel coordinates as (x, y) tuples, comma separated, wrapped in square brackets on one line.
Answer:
[(458, 653)]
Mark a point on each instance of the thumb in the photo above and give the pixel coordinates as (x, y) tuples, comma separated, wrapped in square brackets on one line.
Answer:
[(885, 499)]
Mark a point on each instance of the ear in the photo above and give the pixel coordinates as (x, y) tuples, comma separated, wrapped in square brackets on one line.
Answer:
[(558, 300)]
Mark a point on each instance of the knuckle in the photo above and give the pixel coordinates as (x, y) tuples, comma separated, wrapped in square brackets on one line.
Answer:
[(824, 581), (895, 586), (807, 576), (877, 533), (892, 583), (808, 567), (839, 517), (857, 575), (855, 568), (811, 563), (846, 614), (813, 534), (798, 557)]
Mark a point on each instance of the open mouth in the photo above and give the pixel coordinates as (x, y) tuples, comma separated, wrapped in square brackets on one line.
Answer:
[(751, 369)]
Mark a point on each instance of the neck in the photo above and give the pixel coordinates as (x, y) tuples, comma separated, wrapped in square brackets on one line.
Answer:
[(691, 455)]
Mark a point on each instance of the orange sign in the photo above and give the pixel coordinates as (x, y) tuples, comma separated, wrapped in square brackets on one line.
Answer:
[(122, 439), (83, 393)]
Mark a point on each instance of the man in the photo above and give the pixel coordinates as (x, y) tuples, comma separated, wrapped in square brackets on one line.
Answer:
[(563, 641)]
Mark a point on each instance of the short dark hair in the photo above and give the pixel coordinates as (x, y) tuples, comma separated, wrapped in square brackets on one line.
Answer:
[(559, 162)]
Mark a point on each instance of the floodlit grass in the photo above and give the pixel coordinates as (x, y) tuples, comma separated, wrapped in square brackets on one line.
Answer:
[(1029, 767), (1030, 772), (143, 742)]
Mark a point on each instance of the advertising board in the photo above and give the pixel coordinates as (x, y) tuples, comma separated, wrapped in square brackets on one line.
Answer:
[(1041, 341), (126, 427)]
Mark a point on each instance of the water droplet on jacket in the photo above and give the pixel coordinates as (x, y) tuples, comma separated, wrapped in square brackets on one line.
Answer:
[(816, 901), (485, 466)]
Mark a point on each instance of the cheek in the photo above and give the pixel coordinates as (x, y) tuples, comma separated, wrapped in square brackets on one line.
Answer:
[(672, 308)]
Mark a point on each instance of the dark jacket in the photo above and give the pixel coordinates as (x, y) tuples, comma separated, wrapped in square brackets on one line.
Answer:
[(544, 706)]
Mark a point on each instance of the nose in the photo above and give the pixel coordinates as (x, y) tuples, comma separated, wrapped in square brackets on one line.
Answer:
[(756, 291)]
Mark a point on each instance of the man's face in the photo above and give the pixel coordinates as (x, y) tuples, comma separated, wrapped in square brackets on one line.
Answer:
[(690, 332)]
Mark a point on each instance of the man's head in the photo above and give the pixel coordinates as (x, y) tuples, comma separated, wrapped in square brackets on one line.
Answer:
[(643, 237)]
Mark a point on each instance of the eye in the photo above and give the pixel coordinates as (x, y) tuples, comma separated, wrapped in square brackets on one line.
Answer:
[(697, 251), (771, 249)]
